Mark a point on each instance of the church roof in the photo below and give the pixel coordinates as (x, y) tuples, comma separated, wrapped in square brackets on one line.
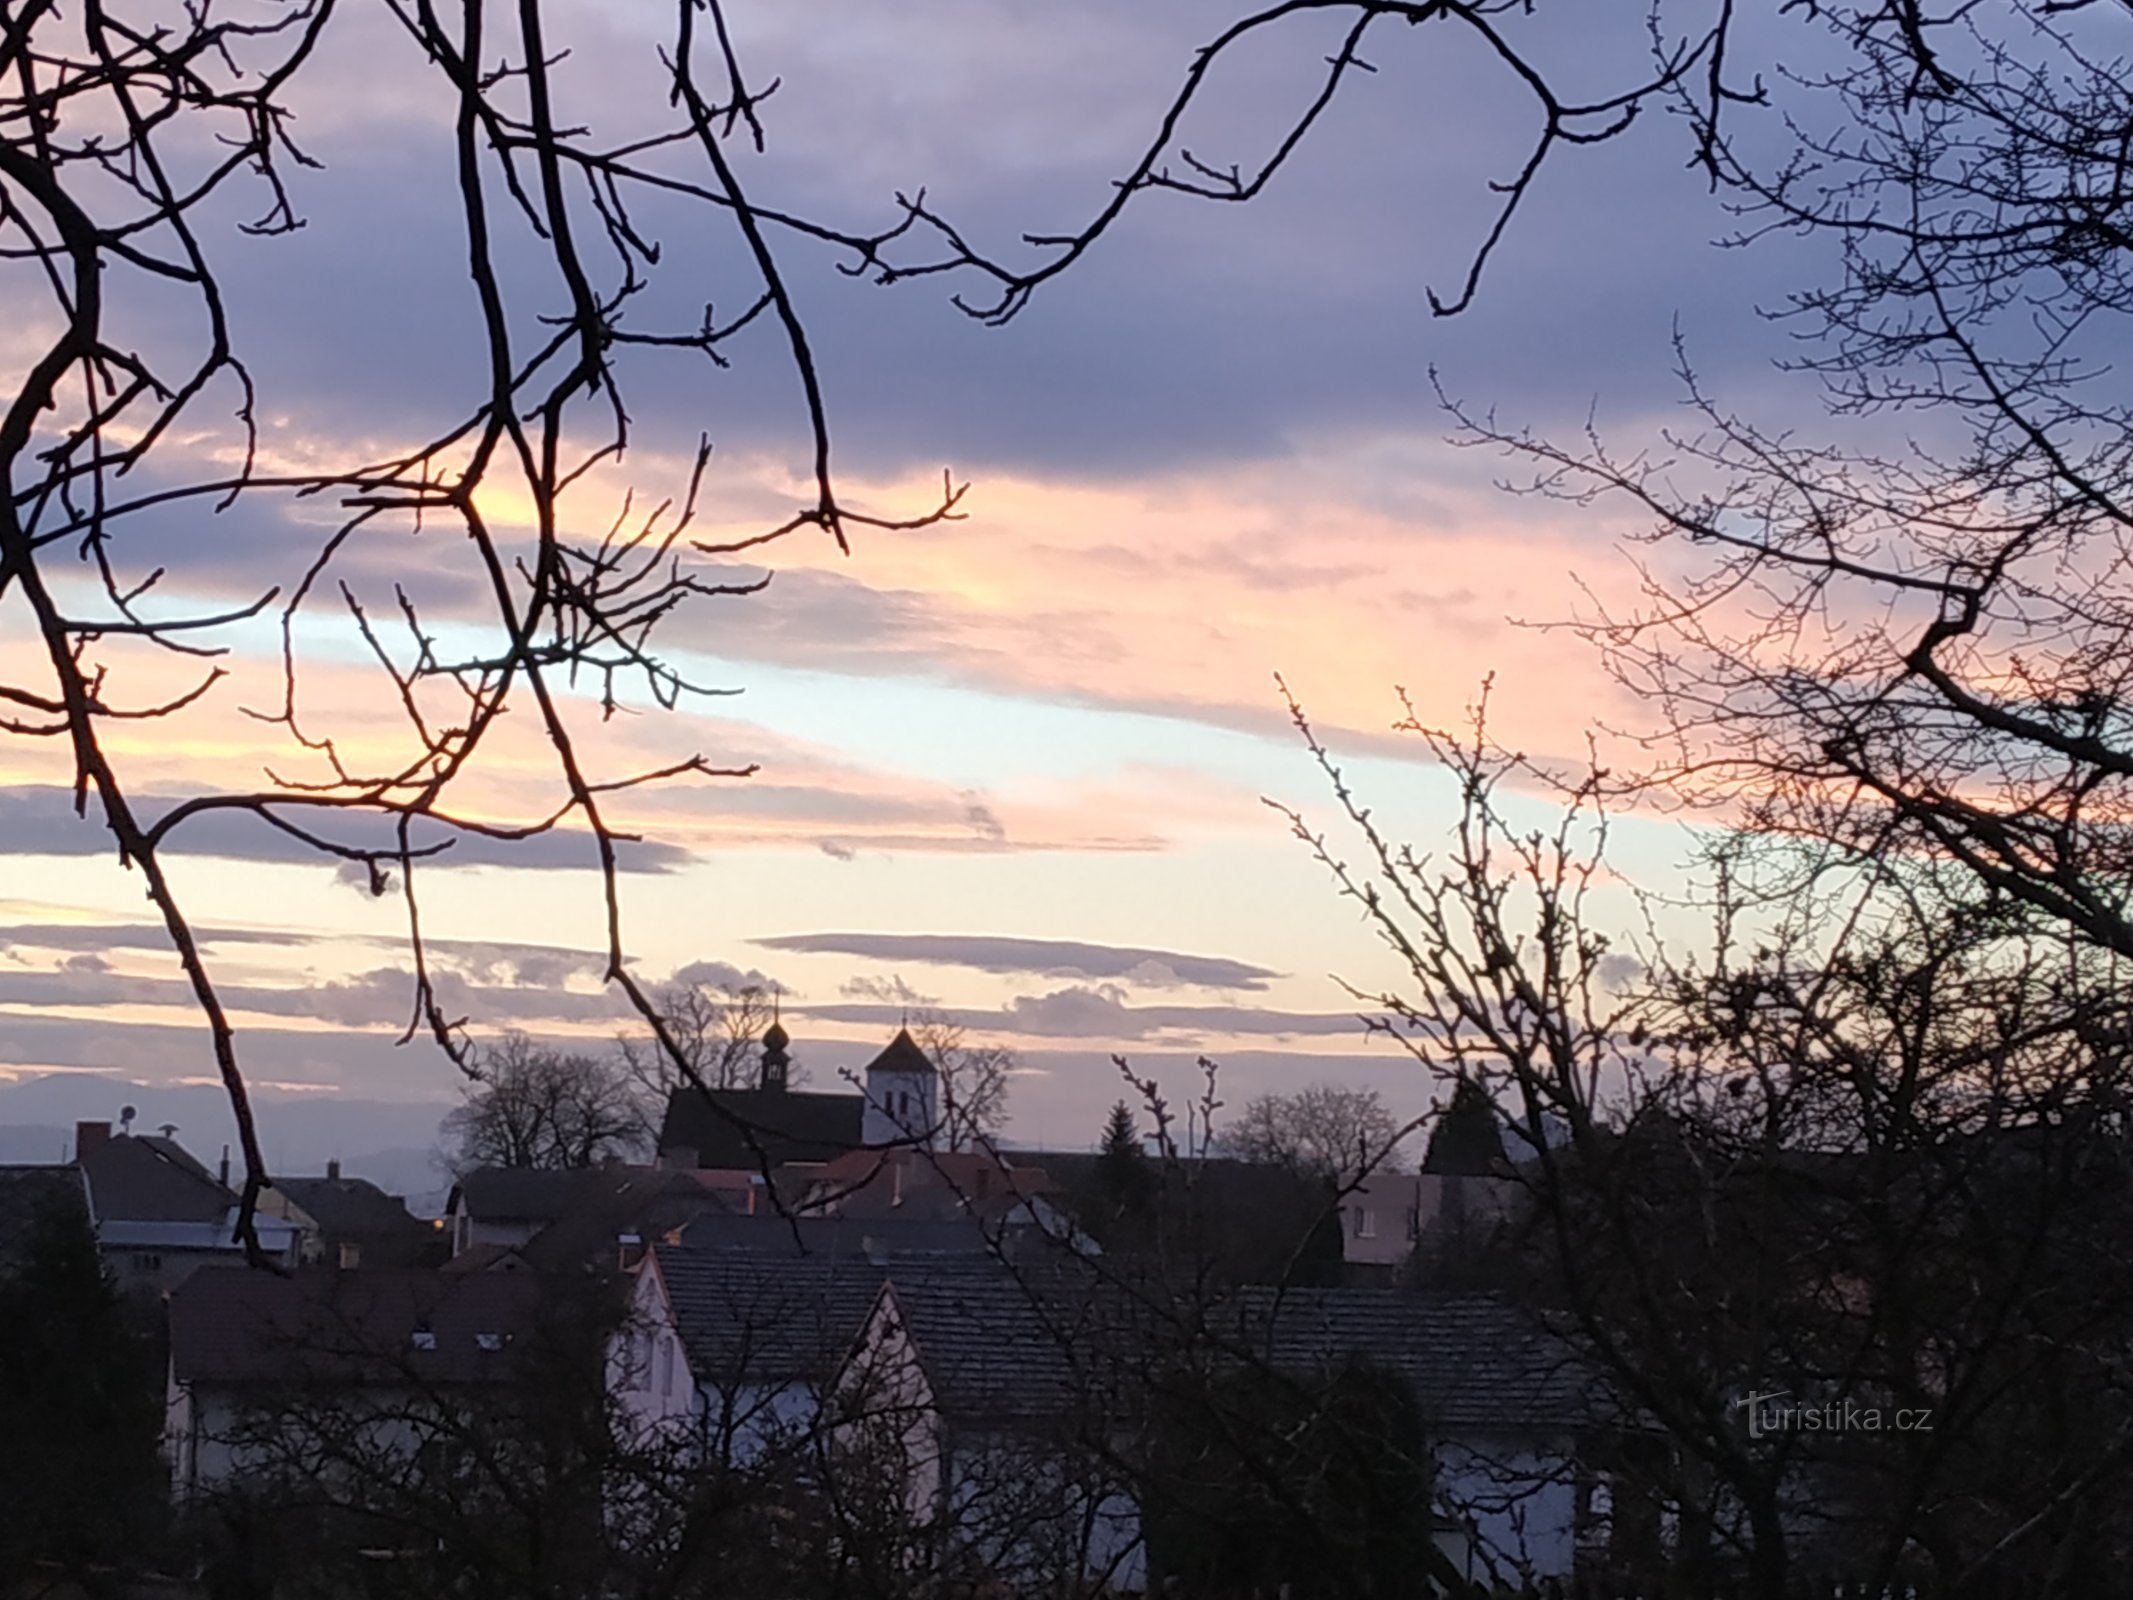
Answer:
[(749, 1129), (902, 1055)]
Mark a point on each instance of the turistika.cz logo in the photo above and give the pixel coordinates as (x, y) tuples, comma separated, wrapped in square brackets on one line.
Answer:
[(1777, 1411)]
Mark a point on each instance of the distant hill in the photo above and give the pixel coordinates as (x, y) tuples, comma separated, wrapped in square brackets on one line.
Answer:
[(390, 1142), (33, 1145)]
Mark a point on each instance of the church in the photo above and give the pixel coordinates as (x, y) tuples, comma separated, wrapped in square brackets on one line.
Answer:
[(772, 1125)]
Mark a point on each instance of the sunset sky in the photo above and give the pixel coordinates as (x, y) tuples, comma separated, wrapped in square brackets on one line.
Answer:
[(1013, 764)]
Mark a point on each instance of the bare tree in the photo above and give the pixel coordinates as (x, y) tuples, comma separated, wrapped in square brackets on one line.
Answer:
[(1864, 1154), (1917, 647), (712, 1040), (974, 1078), (1332, 1131), (529, 1106)]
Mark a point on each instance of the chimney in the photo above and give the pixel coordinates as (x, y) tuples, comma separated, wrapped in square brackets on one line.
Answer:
[(333, 1170), (90, 1136)]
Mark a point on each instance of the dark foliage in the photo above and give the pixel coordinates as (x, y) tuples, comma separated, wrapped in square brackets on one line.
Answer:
[(1313, 1487), (80, 1410)]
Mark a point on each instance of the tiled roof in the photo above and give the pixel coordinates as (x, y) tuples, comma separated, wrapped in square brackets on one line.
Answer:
[(351, 1206), (878, 1238), (149, 1179), (1000, 1341), (28, 1194), (932, 1183), (1058, 1340), (235, 1325), (580, 1213), (613, 1201), (743, 1129), (517, 1194), (1471, 1362), (749, 1316)]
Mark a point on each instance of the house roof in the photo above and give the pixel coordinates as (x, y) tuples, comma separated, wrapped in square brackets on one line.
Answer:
[(28, 1196), (1470, 1361), (235, 1325), (900, 1182), (517, 1194), (745, 1129), (1054, 1340), (144, 1178), (1023, 1341), (579, 1213), (751, 1316), (877, 1238), (612, 1201), (352, 1206)]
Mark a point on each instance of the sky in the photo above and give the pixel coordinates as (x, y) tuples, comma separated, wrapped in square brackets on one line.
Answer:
[(1015, 766)]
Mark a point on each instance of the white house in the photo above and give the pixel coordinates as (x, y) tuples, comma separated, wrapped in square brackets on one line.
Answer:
[(733, 1350), (320, 1369), (995, 1393)]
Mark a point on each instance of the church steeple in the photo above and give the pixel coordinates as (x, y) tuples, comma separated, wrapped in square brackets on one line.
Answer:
[(903, 1095), (776, 1063)]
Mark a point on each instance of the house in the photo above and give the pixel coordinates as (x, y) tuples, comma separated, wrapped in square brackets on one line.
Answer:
[(160, 1215), (743, 1320), (575, 1217), (926, 1380), (731, 1351), (1464, 1189), (1023, 1396), (994, 1396), (349, 1221), (322, 1369), (761, 1129), (1516, 1421), (1010, 1204)]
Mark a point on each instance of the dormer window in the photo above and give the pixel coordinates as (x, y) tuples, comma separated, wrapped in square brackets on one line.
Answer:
[(491, 1342), (423, 1339)]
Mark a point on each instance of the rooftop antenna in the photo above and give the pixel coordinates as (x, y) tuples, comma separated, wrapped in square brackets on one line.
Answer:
[(126, 1116), (166, 1129)]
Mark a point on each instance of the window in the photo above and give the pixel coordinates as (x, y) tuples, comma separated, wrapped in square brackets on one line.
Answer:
[(666, 1365), (1366, 1224), (351, 1255), (491, 1342), (423, 1339), (147, 1261)]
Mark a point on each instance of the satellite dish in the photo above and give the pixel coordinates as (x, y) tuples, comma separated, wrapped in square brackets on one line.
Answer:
[(126, 1116)]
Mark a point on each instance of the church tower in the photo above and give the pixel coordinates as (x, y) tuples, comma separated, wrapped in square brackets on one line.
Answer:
[(903, 1096), (777, 1064)]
